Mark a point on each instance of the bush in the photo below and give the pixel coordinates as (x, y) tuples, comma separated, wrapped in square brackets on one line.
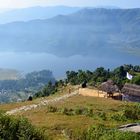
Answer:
[(102, 115), (132, 111), (119, 116), (119, 135), (95, 132), (89, 112), (67, 111), (136, 80), (78, 111), (102, 133), (18, 129), (52, 109)]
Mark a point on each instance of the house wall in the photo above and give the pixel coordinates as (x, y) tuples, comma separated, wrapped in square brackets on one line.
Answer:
[(131, 98), (91, 92)]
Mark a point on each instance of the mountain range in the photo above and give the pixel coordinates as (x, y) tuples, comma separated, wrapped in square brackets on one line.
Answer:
[(86, 32), (31, 13)]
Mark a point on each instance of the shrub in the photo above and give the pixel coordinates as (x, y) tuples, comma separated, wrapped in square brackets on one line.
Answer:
[(18, 129), (78, 111), (132, 111), (89, 112), (102, 133), (52, 109), (67, 111), (95, 132), (119, 135), (119, 116), (102, 115)]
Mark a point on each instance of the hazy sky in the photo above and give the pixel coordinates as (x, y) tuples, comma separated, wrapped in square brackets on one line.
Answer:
[(30, 3)]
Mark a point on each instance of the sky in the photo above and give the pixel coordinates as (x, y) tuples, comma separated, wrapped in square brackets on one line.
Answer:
[(93, 3)]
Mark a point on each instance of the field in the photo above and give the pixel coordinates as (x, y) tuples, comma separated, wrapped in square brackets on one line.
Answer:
[(72, 116)]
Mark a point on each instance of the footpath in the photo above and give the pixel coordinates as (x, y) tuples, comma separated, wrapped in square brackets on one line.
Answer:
[(42, 103)]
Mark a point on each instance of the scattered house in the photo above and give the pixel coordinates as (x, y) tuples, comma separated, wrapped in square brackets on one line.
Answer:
[(131, 92), (109, 87), (106, 89)]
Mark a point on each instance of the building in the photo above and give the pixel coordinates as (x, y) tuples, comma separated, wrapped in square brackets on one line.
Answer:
[(131, 92), (109, 87)]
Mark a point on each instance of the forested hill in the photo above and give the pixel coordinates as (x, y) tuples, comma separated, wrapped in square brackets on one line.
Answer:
[(99, 31), (13, 90)]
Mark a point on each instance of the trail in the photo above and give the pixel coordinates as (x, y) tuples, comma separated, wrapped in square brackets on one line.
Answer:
[(42, 103)]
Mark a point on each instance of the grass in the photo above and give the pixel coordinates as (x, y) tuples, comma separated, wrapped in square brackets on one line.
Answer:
[(56, 123), (10, 106)]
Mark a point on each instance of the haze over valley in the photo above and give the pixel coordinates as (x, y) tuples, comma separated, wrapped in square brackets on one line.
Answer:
[(69, 38), (69, 69)]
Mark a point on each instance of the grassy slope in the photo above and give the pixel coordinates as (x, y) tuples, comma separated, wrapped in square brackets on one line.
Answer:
[(10, 106), (55, 123)]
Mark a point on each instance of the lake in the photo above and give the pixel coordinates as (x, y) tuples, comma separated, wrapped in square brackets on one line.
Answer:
[(27, 62)]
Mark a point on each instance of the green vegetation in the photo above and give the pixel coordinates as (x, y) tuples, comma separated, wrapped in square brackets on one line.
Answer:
[(12, 90), (102, 133), (95, 78), (136, 80), (47, 90), (18, 129), (132, 111), (77, 116), (128, 112), (31, 80)]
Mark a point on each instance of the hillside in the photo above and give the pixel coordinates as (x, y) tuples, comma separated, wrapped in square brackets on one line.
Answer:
[(71, 117), (15, 89), (26, 14), (106, 32)]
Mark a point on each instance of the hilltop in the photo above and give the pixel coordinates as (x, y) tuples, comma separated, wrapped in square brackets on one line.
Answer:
[(72, 117), (38, 12), (61, 112)]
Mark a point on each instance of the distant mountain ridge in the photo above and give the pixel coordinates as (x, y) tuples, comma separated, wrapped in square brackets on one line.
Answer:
[(89, 31), (31, 13)]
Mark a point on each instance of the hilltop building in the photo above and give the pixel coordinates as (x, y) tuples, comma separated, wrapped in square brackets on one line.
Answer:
[(131, 92)]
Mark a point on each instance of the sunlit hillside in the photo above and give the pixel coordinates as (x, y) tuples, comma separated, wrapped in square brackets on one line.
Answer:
[(72, 117)]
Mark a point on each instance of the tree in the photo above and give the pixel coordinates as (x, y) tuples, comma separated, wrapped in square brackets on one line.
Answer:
[(82, 76), (72, 77), (136, 80)]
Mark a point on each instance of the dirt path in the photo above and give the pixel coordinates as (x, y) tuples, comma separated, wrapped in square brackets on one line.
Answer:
[(42, 103)]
